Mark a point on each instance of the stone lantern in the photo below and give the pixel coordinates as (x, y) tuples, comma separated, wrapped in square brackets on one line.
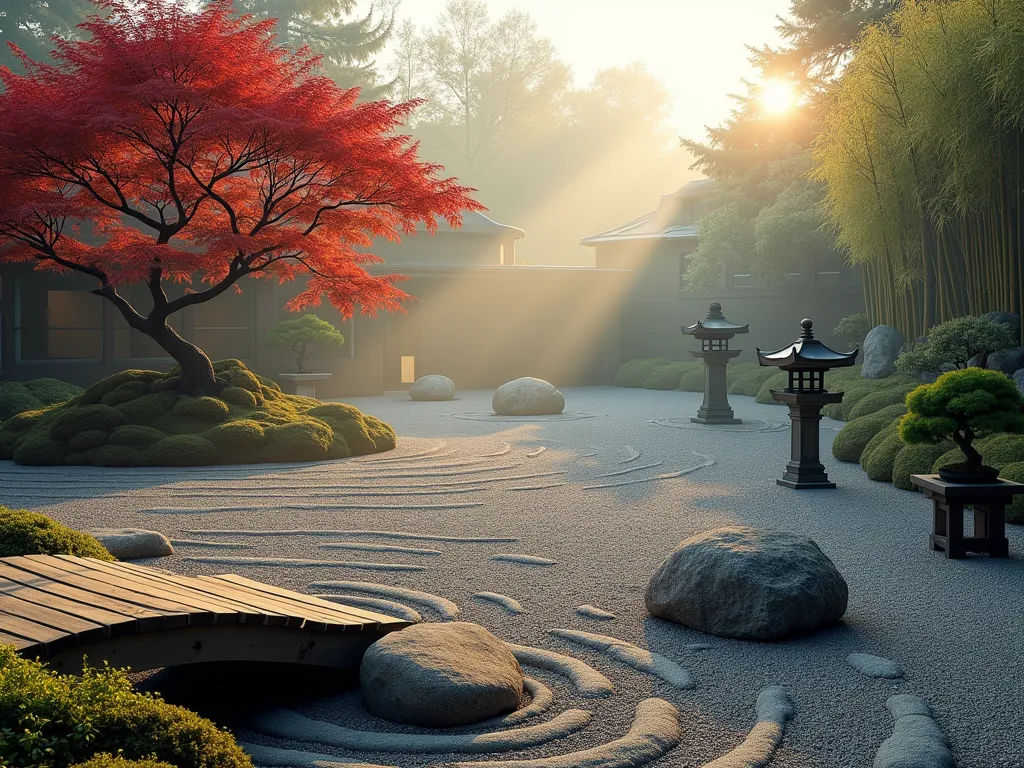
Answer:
[(806, 361), (714, 332)]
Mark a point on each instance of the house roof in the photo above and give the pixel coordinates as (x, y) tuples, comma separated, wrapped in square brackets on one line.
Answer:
[(658, 224), (474, 223)]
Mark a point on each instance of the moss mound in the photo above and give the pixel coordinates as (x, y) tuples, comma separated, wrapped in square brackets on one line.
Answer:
[(138, 418), (882, 458), (1014, 511), (892, 389), (635, 372), (666, 377), (778, 380), (79, 718), (737, 371), (693, 379), (750, 383), (19, 396), (892, 428), (29, 533), (876, 401), (915, 460), (1002, 449), (952, 456), (853, 438)]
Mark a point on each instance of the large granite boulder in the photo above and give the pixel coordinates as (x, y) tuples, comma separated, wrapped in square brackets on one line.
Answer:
[(1009, 319), (440, 675), (1006, 360), (881, 348), (132, 543), (432, 388), (749, 584), (527, 397)]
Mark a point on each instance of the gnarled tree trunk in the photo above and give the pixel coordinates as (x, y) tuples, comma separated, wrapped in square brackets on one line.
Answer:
[(197, 376), (964, 437)]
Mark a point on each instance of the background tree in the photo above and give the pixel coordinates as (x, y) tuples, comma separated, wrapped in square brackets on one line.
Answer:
[(32, 24), (205, 154), (298, 333), (956, 343), (853, 327)]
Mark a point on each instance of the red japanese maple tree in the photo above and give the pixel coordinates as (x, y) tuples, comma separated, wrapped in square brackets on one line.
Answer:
[(187, 147)]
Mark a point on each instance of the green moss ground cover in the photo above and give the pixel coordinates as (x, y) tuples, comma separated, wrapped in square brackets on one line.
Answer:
[(48, 719), (30, 533), (138, 418), (18, 396)]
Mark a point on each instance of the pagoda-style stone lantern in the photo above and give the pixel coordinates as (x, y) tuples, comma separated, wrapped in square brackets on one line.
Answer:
[(806, 362), (714, 332)]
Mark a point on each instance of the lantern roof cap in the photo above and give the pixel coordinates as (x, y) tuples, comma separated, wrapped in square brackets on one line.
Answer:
[(715, 323), (807, 353)]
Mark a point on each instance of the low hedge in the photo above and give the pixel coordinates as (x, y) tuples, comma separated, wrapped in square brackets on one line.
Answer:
[(666, 377), (737, 371), (138, 418), (20, 396), (779, 380), (915, 460), (30, 533), (693, 379), (59, 720), (750, 383), (1015, 511), (635, 372), (892, 428), (854, 437), (882, 458), (876, 401), (106, 760)]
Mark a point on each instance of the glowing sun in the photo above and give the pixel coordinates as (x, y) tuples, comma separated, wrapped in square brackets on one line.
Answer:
[(777, 96)]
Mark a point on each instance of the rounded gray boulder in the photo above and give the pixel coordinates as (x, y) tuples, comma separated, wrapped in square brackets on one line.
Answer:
[(434, 387), (748, 584), (132, 543), (881, 348), (527, 397), (440, 675)]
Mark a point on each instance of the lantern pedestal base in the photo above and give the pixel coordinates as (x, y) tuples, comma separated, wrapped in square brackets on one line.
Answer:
[(805, 470), (711, 418)]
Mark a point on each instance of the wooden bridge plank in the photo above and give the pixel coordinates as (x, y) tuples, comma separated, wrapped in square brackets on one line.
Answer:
[(19, 643), (222, 611), (47, 639), (82, 630), (313, 620), (266, 617), (369, 619), (51, 579), (118, 623)]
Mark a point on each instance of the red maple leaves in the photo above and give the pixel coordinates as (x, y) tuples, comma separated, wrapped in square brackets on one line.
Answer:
[(188, 147)]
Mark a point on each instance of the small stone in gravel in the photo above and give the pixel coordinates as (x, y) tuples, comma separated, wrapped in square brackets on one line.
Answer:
[(432, 388), (524, 559), (510, 604), (748, 584), (593, 612), (874, 666), (133, 544), (440, 675), (527, 397), (916, 741)]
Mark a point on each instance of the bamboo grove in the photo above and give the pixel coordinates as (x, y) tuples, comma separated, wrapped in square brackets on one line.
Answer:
[(920, 150)]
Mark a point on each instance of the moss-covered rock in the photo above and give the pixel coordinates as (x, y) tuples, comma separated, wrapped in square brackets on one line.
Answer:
[(202, 409), (79, 717), (750, 384), (854, 437), (666, 377), (135, 436), (635, 372), (915, 460), (19, 396), (30, 533), (882, 458), (1015, 511), (693, 379), (84, 418), (162, 427)]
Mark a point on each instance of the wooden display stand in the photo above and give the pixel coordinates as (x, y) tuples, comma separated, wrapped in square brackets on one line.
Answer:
[(989, 501)]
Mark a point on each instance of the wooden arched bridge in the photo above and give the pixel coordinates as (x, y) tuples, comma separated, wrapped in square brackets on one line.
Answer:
[(60, 608)]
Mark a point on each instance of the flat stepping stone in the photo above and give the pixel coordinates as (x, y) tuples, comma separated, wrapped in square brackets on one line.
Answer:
[(875, 666)]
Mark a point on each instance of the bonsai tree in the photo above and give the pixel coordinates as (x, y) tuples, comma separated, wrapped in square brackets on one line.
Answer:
[(854, 328), (205, 153), (957, 342), (300, 332), (962, 406)]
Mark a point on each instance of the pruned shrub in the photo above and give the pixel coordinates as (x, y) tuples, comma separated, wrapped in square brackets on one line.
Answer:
[(113, 456), (892, 428), (350, 423), (1001, 449), (635, 372), (84, 418), (49, 719), (40, 451), (30, 533), (853, 438), (239, 396), (306, 440), (381, 433), (243, 435), (955, 342), (106, 760), (147, 409), (86, 441), (915, 460), (876, 401), (181, 451), (103, 387), (202, 409), (778, 381), (750, 384), (693, 379), (20, 396), (882, 458), (666, 377), (1015, 473), (736, 371), (135, 436), (130, 390)]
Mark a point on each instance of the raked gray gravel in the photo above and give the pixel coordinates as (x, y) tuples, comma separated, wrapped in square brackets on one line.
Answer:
[(955, 627)]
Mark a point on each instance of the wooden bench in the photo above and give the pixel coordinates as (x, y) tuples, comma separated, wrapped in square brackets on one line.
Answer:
[(61, 608)]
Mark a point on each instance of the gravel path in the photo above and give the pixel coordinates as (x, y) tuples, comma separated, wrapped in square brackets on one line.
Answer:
[(612, 493)]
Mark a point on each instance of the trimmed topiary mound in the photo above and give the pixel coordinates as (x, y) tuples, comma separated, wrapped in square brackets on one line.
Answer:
[(76, 718), (29, 533), (915, 460), (880, 462), (693, 379), (635, 372), (853, 438), (19, 396), (876, 401), (138, 418), (737, 371), (1001, 449), (666, 377), (1014, 511), (892, 428), (750, 383), (780, 380)]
